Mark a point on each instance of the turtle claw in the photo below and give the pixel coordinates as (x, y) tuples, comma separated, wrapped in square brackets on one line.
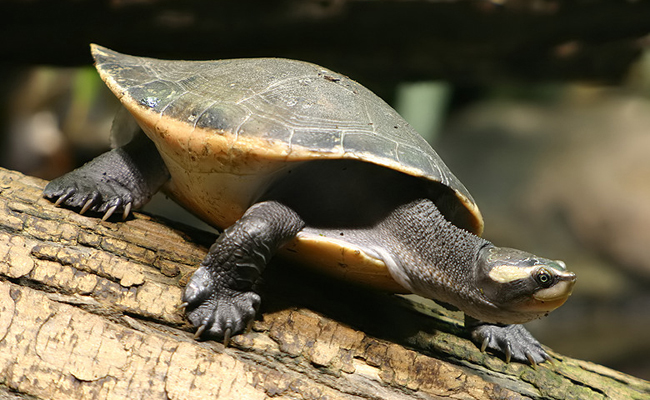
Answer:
[(226, 337), (127, 211), (484, 345), (109, 212), (550, 360), (509, 353), (62, 198), (87, 205), (200, 331)]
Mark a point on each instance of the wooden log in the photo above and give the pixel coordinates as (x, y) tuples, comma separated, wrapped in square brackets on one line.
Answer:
[(88, 310)]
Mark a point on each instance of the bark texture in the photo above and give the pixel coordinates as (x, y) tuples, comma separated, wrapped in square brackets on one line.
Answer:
[(88, 310)]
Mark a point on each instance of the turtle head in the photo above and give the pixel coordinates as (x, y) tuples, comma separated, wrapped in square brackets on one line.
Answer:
[(521, 285)]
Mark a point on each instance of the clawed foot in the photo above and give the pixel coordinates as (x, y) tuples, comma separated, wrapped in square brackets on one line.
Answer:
[(76, 190), (514, 341), (218, 312)]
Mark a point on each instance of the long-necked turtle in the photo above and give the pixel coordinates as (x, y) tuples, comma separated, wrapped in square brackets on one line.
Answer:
[(286, 155)]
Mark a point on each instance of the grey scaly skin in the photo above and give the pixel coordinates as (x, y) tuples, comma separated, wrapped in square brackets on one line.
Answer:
[(423, 251)]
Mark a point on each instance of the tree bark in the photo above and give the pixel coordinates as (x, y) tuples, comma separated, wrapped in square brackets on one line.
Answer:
[(89, 310)]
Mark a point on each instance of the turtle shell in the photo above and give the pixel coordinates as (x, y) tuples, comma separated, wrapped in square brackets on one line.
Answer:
[(230, 125)]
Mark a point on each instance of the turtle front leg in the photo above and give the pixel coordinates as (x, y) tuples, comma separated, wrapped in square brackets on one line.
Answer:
[(220, 297), (514, 341), (122, 179)]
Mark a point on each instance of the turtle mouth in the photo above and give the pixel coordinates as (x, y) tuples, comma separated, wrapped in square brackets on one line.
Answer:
[(539, 306), (558, 292)]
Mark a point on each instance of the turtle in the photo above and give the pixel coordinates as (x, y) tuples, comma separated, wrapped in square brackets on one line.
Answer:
[(288, 157)]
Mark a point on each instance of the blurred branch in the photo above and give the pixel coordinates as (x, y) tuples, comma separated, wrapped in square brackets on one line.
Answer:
[(378, 41)]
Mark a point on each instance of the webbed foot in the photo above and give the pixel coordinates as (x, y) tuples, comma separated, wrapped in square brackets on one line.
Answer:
[(87, 190), (220, 299), (218, 313), (514, 341), (118, 181)]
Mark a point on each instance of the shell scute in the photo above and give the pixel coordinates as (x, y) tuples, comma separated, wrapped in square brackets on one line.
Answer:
[(217, 116), (265, 128), (319, 141), (357, 142), (155, 95)]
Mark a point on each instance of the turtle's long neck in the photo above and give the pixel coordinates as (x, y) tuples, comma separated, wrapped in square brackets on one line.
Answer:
[(436, 257)]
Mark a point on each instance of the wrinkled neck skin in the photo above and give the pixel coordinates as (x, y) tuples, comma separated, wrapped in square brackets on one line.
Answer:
[(434, 258)]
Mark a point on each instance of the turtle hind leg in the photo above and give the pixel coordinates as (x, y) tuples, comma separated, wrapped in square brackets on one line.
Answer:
[(116, 181), (513, 341), (220, 297)]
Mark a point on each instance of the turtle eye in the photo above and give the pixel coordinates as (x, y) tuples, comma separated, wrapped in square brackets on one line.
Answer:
[(544, 278)]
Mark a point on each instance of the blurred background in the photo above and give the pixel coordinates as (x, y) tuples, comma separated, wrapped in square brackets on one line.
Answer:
[(541, 108)]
